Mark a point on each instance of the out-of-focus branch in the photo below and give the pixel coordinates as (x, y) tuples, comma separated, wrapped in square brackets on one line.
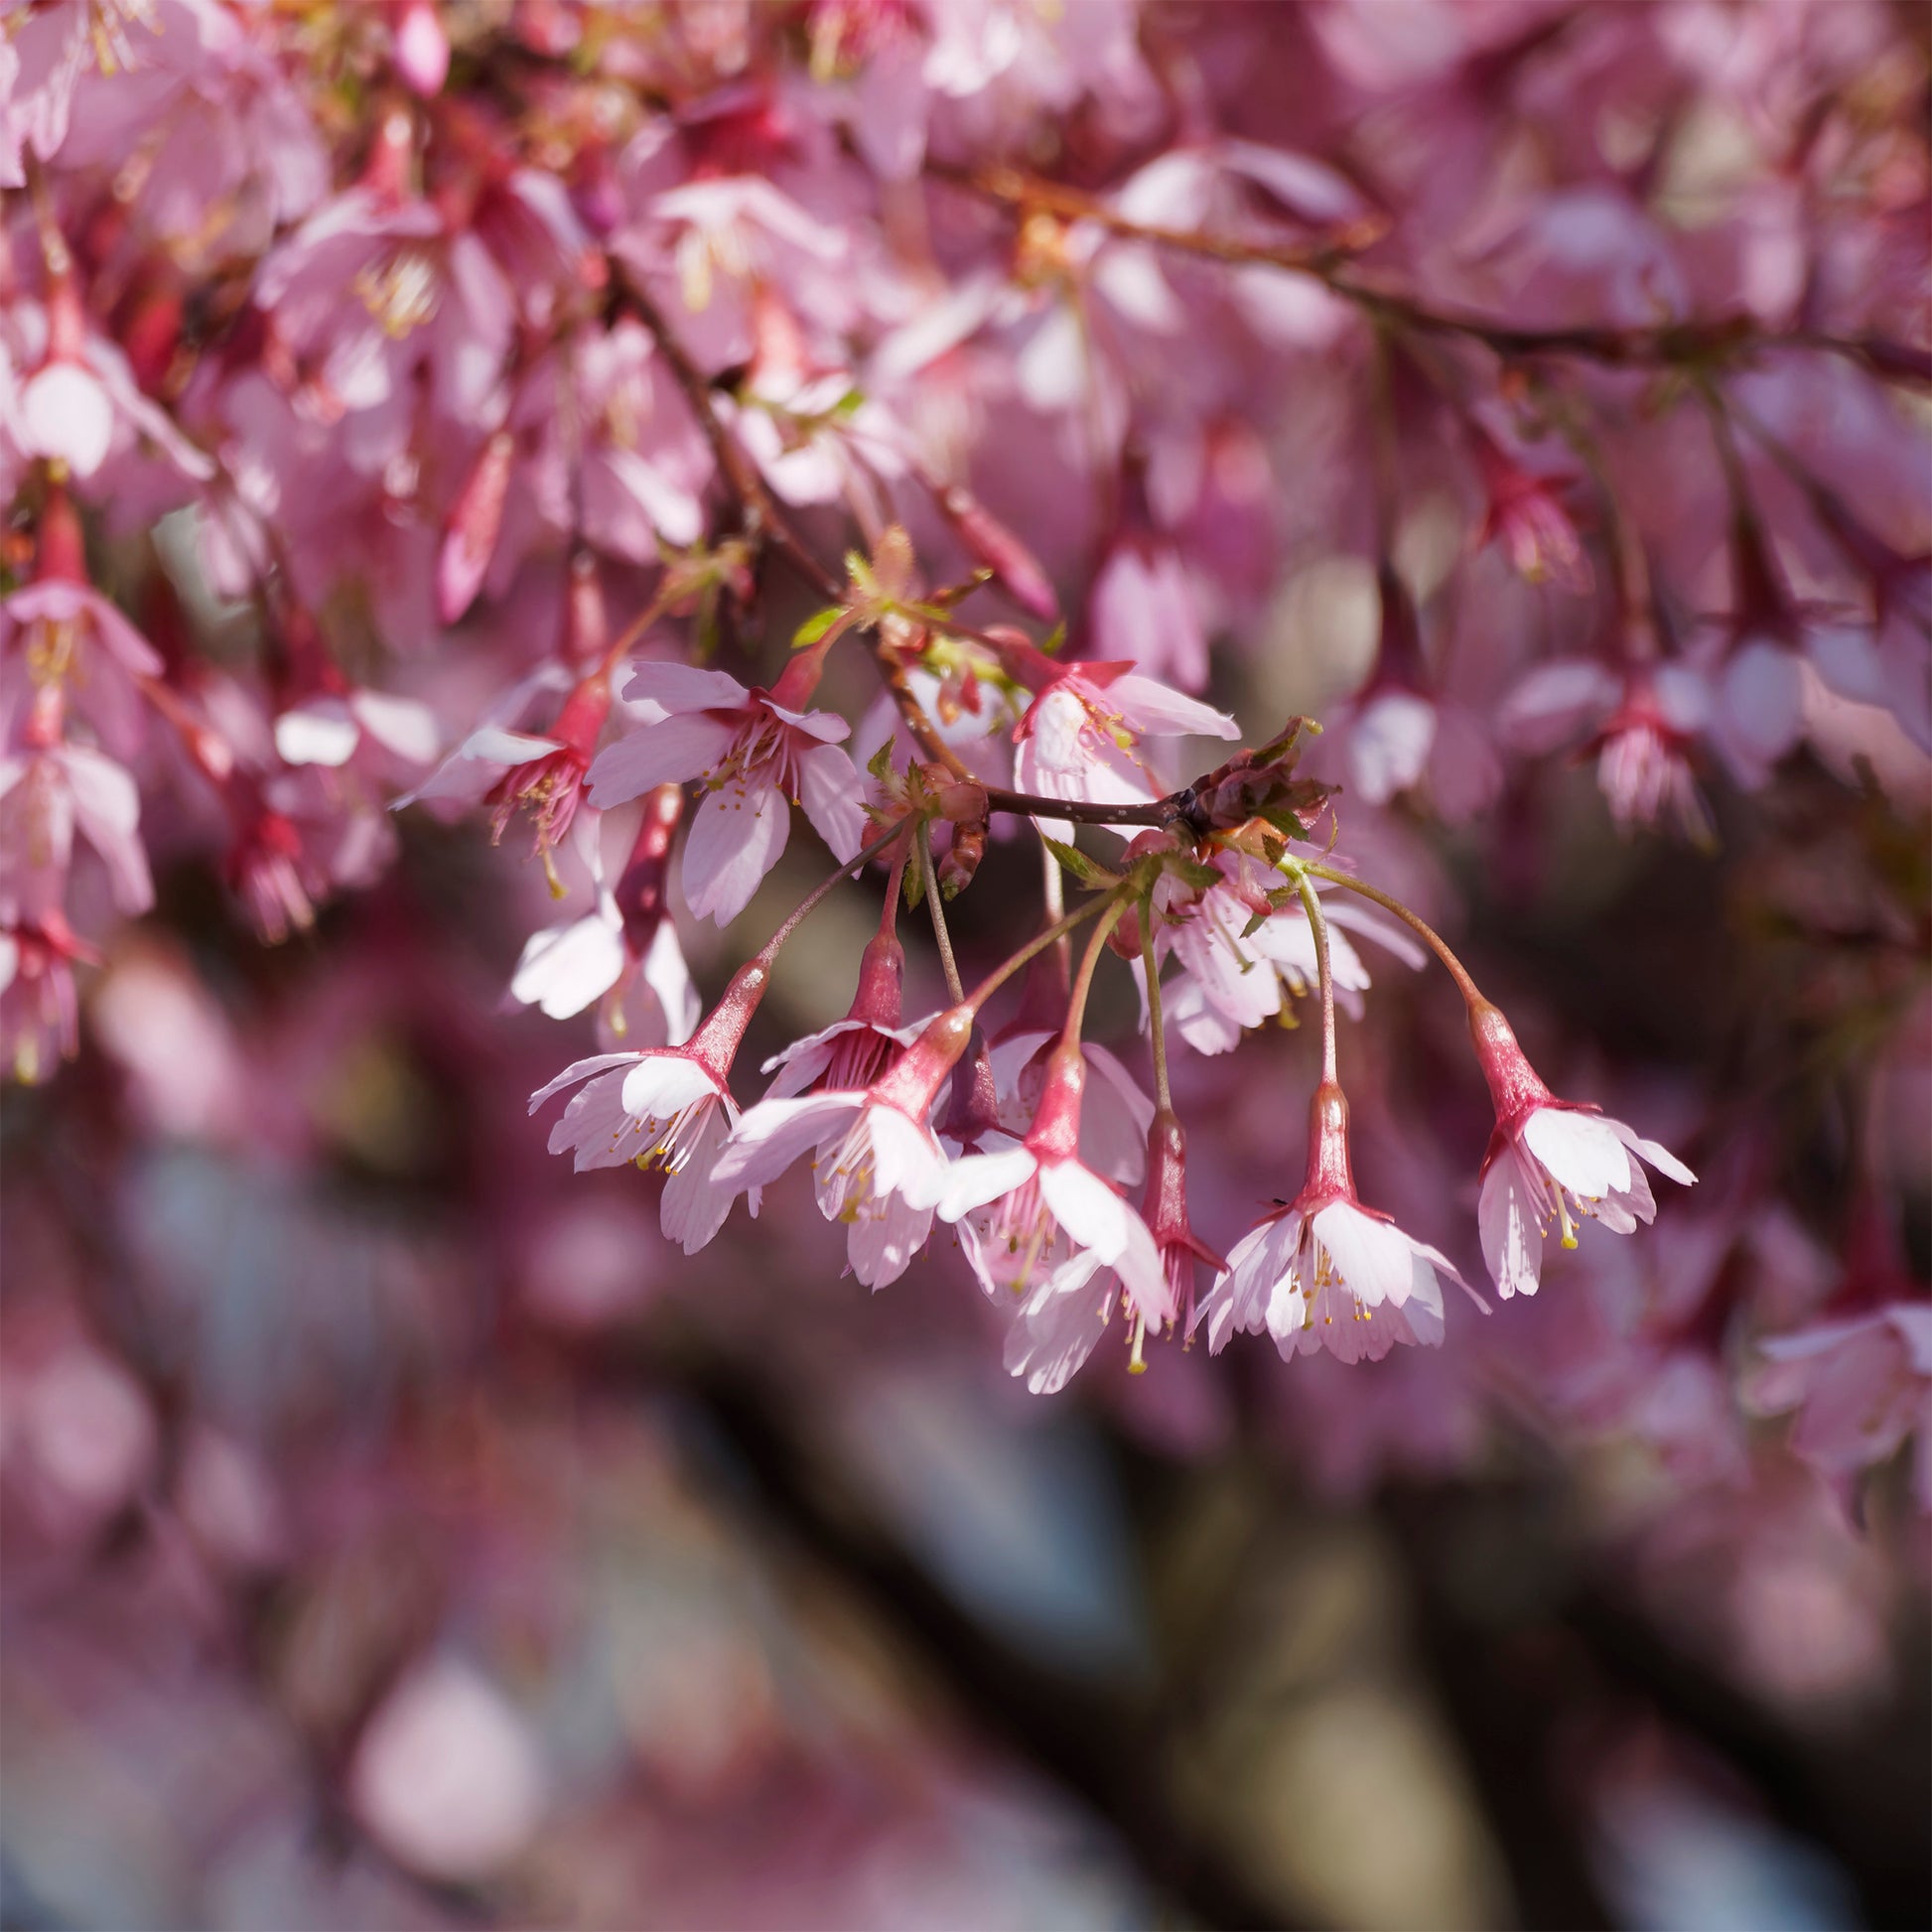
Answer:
[(1671, 344)]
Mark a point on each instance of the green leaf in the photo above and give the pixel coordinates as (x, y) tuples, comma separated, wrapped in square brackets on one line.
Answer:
[(880, 764), (1089, 871), (1192, 872), (1056, 639), (816, 626)]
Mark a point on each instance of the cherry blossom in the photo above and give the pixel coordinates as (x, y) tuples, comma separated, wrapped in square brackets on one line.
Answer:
[(878, 1165), (756, 755), (1036, 1215), (1323, 1272), (1552, 1162)]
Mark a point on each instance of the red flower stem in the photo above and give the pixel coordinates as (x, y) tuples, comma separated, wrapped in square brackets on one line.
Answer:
[(1318, 925), (894, 886), (1427, 933)]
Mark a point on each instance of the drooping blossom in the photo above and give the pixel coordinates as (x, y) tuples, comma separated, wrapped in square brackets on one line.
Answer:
[(1860, 1386), (1057, 1324), (877, 1163), (669, 1108), (756, 757), (1323, 1272), (1552, 1162), (624, 955), (1231, 978), (60, 630), (39, 1015), (851, 1053), (1035, 1215), (1525, 513), (1402, 731), (1643, 724)]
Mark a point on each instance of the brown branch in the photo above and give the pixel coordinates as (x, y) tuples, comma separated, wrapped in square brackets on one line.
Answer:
[(1028, 191), (1659, 345)]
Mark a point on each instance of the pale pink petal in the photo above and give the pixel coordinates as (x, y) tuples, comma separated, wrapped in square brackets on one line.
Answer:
[(1512, 1240), (581, 1070), (1091, 1213), (1660, 1158), (65, 414), (1151, 708), (907, 1159), (564, 969), (1389, 745), (983, 1177), (1581, 1151), (1373, 1259), (737, 836), (321, 731), (1557, 703), (676, 687), (881, 1243), (833, 799), (773, 1135), (674, 749), (670, 978), (696, 1202), (107, 809), (661, 1085), (1057, 1326), (401, 726)]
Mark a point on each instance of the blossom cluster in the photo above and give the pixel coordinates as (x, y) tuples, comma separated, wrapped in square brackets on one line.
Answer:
[(411, 407)]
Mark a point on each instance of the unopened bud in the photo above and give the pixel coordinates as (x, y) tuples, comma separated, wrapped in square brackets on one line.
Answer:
[(962, 801), (470, 538), (962, 857)]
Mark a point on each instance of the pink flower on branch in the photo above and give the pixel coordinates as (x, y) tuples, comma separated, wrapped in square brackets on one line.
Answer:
[(669, 1108), (1057, 1326), (1323, 1272), (1080, 738), (1036, 1216), (1552, 1162), (876, 1162), (756, 755)]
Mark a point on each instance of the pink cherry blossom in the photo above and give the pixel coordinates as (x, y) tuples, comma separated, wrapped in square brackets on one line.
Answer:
[(1552, 1162), (657, 1107), (1232, 978), (1323, 1272), (1861, 1386), (1080, 737), (1036, 1215), (756, 757), (878, 1165), (1642, 726), (39, 1015)]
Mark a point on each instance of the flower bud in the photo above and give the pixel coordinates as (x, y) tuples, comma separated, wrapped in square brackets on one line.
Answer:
[(469, 537), (962, 857)]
